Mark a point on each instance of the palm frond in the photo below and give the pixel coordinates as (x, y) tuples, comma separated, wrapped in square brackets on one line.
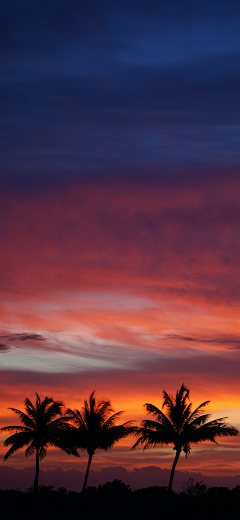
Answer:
[(11, 451), (198, 411), (198, 421), (152, 425), (24, 418), (51, 410), (152, 438), (31, 449), (18, 438), (103, 408), (109, 436), (154, 410), (64, 442), (30, 409), (168, 402), (18, 441), (186, 414), (42, 452), (76, 416), (182, 395), (161, 417), (187, 449), (212, 429), (16, 428), (60, 423), (111, 420)]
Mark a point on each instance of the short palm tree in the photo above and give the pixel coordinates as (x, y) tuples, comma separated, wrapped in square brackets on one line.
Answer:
[(96, 428), (43, 425), (180, 426)]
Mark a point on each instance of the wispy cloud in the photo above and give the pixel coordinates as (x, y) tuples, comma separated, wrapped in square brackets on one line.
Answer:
[(25, 336), (230, 340), (4, 348), (13, 340)]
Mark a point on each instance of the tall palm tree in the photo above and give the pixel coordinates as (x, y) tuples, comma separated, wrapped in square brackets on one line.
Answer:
[(180, 426), (43, 425), (96, 428)]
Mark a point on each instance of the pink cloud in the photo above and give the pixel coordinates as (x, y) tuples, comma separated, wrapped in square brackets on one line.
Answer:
[(125, 275)]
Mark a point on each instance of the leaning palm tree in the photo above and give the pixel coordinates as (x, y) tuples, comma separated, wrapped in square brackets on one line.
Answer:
[(180, 426), (43, 425), (96, 428)]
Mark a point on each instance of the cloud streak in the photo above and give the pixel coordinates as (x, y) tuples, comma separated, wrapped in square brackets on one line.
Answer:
[(119, 201), (137, 478), (135, 89), (4, 347), (229, 341), (23, 337)]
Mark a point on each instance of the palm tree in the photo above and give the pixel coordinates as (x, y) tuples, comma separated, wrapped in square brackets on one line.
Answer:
[(43, 425), (180, 426), (96, 428)]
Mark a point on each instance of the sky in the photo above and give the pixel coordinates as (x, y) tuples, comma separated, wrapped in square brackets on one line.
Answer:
[(120, 218)]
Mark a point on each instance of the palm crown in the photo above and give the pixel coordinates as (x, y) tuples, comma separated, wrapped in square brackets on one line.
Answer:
[(96, 428), (43, 425), (180, 426)]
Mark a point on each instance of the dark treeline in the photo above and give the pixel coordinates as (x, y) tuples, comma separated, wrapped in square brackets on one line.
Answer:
[(115, 501)]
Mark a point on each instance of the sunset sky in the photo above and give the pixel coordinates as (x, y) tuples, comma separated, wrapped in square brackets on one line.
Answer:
[(120, 217)]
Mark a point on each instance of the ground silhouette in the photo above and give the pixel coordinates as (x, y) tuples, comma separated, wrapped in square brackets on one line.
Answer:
[(115, 501)]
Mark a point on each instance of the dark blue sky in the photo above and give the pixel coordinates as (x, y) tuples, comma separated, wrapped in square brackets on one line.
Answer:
[(132, 88), (119, 209)]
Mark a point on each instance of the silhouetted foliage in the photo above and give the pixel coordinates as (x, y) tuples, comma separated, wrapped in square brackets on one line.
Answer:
[(96, 428), (194, 488), (116, 501), (117, 487), (180, 426), (43, 425)]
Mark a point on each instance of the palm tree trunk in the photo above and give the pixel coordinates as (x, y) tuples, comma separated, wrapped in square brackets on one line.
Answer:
[(35, 484), (88, 468), (173, 470)]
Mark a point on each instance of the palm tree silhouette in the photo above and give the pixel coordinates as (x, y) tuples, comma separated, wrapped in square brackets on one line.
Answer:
[(180, 426), (96, 428), (43, 424)]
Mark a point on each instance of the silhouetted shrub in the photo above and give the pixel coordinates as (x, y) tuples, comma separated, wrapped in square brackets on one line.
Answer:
[(116, 501), (194, 488)]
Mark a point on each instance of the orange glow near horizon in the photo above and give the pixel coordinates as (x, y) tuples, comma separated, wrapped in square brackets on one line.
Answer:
[(128, 291)]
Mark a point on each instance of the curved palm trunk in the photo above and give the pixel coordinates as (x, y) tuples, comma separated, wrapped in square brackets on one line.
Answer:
[(35, 484), (173, 469), (90, 456)]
